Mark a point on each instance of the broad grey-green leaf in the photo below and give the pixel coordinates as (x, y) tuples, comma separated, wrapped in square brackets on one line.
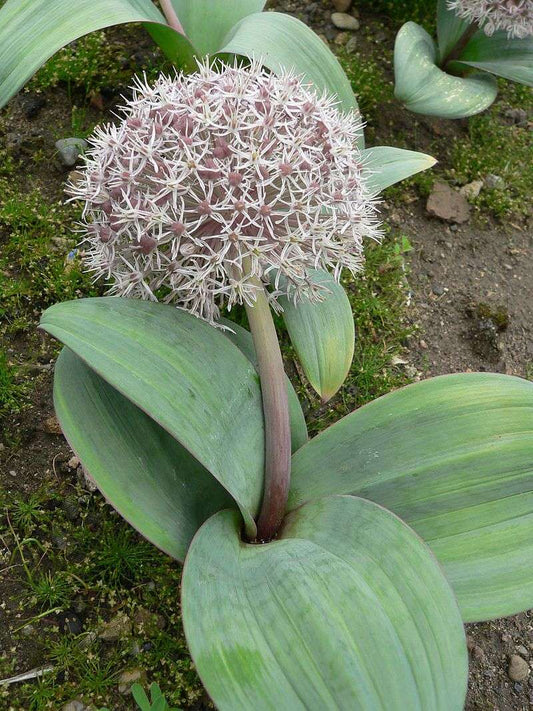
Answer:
[(207, 22), (453, 457), (244, 341), (322, 334), (31, 31), (509, 58), (185, 374), (284, 43), (385, 166), (450, 28), (346, 609), (149, 478), (425, 89)]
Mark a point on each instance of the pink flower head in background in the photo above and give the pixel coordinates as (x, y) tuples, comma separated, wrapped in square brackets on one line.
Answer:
[(513, 16), (218, 179)]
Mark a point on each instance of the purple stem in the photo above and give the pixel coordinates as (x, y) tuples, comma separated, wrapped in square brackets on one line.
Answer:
[(276, 417), (171, 17), (456, 51)]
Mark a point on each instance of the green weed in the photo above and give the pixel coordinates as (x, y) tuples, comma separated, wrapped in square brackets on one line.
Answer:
[(50, 590)]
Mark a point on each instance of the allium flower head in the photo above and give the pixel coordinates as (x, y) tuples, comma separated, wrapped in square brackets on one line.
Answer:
[(513, 16), (215, 182)]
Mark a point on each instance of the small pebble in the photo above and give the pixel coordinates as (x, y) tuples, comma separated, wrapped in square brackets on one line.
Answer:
[(52, 426), (341, 38), (74, 705), (471, 190), (518, 669), (494, 182), (128, 678), (70, 149), (344, 21), (423, 345), (438, 290), (351, 45)]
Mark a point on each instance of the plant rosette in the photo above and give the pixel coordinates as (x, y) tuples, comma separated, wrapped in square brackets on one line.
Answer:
[(477, 40), (330, 573)]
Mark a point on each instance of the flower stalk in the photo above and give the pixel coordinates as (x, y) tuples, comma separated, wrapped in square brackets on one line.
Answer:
[(276, 416), (171, 17), (456, 51)]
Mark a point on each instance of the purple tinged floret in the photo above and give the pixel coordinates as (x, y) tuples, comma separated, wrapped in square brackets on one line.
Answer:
[(512, 16)]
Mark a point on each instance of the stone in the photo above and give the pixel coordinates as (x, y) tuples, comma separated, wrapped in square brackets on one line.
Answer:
[(74, 705), (518, 669), (73, 463), (351, 45), (117, 628), (522, 651), (447, 204), (471, 190), (343, 21), (517, 116), (146, 622), (342, 5), (438, 290), (128, 678), (85, 480), (51, 425), (494, 182), (341, 38), (70, 149)]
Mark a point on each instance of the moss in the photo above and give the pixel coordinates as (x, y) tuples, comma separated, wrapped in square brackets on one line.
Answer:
[(89, 64), (400, 11), (13, 393), (368, 81), (38, 263)]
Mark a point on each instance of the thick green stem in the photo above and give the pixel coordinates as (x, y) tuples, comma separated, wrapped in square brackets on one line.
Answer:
[(276, 416), (456, 51)]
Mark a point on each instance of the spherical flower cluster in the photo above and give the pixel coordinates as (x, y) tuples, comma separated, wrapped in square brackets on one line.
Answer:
[(218, 182), (513, 16)]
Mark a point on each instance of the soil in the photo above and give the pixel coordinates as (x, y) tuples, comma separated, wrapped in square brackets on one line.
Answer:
[(471, 296)]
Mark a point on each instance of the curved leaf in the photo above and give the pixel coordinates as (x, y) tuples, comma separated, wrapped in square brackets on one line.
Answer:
[(323, 334), (509, 58), (347, 609), (450, 28), (244, 342), (453, 457), (385, 166), (31, 31), (144, 473), (284, 43), (425, 89), (207, 22), (184, 374)]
